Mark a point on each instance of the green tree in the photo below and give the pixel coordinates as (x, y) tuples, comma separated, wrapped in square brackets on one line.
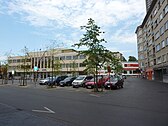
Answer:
[(96, 53), (114, 62), (123, 59), (57, 67), (25, 66), (132, 58), (73, 67)]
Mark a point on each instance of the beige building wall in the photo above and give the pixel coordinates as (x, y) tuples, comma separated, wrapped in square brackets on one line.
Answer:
[(154, 38)]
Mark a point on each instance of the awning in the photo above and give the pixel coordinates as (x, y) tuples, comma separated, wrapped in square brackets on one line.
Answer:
[(149, 70)]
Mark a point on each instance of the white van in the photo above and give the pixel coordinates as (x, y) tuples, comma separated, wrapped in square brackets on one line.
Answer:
[(81, 80)]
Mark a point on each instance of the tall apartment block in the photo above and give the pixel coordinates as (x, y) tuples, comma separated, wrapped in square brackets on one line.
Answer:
[(148, 4), (152, 41)]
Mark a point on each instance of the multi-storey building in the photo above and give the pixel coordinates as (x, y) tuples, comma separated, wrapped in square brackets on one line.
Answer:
[(65, 61), (152, 41), (131, 68), (148, 4)]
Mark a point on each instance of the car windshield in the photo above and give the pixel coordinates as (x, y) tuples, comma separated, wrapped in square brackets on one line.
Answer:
[(68, 78), (80, 77), (99, 77), (113, 79), (49, 78)]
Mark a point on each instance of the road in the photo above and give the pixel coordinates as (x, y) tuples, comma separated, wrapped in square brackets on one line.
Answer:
[(139, 103)]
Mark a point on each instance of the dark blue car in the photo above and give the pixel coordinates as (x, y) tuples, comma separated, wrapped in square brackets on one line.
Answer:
[(67, 81), (55, 81)]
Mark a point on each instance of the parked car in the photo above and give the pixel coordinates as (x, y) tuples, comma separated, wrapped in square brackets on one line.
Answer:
[(100, 82), (44, 81), (67, 81), (124, 76), (115, 82), (56, 80), (81, 80)]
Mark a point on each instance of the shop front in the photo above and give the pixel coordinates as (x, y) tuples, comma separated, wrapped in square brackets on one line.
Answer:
[(149, 74)]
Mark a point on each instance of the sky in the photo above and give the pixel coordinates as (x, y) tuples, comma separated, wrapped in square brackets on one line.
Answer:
[(37, 24)]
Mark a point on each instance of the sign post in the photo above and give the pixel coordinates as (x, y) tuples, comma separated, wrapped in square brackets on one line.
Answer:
[(35, 74)]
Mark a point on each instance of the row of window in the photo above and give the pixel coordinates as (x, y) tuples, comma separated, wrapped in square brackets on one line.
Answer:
[(155, 23), (158, 7), (49, 58), (162, 59), (67, 65), (161, 32), (72, 57), (73, 66), (19, 60), (162, 44)]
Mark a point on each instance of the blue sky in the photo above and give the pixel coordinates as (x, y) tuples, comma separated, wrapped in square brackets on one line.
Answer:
[(36, 24)]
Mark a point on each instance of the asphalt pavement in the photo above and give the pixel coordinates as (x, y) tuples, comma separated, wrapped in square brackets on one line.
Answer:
[(139, 103)]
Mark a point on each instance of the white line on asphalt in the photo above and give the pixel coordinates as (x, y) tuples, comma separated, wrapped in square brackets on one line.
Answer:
[(42, 111), (94, 95)]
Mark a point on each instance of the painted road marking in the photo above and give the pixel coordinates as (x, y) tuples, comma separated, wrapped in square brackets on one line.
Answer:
[(42, 111), (94, 95)]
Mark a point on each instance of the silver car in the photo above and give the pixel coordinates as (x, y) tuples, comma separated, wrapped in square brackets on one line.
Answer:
[(44, 81)]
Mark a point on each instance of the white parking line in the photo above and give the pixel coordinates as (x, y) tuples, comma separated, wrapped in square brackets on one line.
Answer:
[(94, 95), (48, 110)]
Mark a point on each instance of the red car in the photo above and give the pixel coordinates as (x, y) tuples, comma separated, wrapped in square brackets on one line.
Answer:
[(100, 82)]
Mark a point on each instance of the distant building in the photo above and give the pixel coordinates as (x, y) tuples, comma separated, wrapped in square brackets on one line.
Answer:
[(152, 41), (131, 69), (69, 61)]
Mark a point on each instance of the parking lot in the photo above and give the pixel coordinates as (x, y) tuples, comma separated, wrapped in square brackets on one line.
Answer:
[(140, 102)]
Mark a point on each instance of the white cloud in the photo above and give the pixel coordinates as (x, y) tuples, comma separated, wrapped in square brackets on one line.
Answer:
[(125, 38), (59, 15), (75, 13)]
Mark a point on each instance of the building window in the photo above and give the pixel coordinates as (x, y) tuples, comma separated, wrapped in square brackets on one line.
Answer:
[(157, 35), (82, 65), (62, 58), (150, 42), (166, 25), (68, 57), (141, 48), (166, 41), (159, 60), (142, 64), (75, 57), (141, 57), (14, 61), (156, 23), (151, 63), (158, 47), (161, 16), (82, 57), (68, 65), (163, 44), (155, 11), (164, 58), (161, 30), (140, 40), (166, 9), (56, 58), (63, 66), (145, 48), (150, 52)]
